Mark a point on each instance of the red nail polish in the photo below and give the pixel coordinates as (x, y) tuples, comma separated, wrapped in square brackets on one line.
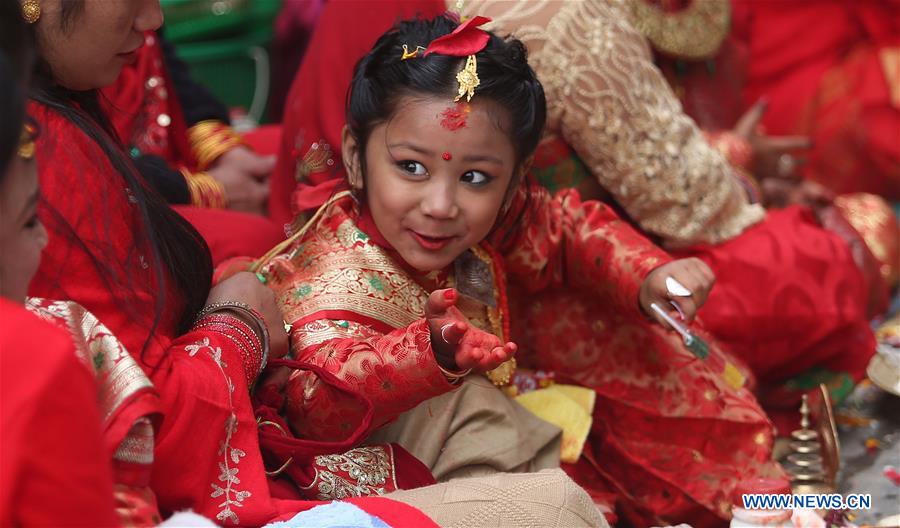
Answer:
[(450, 294)]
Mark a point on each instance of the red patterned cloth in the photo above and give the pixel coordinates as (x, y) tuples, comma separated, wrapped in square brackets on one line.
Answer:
[(53, 464), (207, 455), (128, 403), (790, 299), (345, 290), (839, 84), (657, 403)]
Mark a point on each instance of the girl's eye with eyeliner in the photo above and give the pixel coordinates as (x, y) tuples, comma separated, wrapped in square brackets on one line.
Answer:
[(476, 178), (413, 167)]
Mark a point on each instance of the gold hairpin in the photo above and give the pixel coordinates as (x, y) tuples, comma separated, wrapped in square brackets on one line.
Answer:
[(410, 54), (468, 79), (26, 142)]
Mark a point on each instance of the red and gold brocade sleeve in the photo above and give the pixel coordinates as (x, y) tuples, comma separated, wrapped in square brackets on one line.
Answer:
[(582, 244), (395, 371)]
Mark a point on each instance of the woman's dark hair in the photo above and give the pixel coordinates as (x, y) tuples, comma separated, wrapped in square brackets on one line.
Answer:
[(381, 80), (177, 250), (12, 112), (16, 55)]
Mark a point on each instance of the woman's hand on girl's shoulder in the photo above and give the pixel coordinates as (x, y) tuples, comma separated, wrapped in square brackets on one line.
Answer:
[(458, 345), (245, 287), (686, 282)]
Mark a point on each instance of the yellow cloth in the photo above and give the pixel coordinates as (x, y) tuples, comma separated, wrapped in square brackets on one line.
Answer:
[(568, 407)]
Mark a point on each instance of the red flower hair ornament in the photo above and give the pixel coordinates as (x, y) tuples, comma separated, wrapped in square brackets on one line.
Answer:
[(465, 41)]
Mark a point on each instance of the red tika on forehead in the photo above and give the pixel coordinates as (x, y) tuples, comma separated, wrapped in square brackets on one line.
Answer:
[(454, 117), (467, 39)]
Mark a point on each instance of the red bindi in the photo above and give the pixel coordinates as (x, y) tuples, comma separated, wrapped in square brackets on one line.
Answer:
[(447, 156)]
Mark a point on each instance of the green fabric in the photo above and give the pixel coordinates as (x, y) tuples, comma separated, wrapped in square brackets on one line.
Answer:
[(193, 20), (566, 174), (839, 384)]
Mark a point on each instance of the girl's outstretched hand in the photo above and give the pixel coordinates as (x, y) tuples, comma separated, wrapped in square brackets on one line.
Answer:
[(693, 280), (458, 345)]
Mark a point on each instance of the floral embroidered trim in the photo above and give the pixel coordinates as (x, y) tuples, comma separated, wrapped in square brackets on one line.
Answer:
[(119, 374), (230, 455), (357, 473)]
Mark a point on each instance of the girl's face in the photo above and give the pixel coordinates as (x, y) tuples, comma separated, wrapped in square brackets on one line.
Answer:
[(101, 38), (22, 236), (436, 177)]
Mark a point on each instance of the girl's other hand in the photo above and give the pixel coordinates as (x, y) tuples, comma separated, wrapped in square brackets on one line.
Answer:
[(245, 287), (692, 273), (458, 345)]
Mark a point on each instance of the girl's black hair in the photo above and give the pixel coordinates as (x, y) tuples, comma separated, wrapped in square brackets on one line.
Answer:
[(381, 79), (176, 250)]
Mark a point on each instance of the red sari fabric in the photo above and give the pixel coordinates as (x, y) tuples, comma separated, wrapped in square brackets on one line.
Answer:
[(791, 302), (127, 401), (53, 466), (790, 299), (839, 84), (207, 454), (143, 107)]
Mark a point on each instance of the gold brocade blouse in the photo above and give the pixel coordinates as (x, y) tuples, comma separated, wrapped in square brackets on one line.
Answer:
[(611, 104)]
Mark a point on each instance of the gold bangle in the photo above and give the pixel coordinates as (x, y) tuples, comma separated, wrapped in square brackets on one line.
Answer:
[(210, 139), (209, 150), (205, 190)]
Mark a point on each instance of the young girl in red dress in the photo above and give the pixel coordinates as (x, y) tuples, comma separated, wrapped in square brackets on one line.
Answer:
[(400, 284)]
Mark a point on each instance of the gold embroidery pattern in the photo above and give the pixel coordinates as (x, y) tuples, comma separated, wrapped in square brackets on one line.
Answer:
[(369, 470), (321, 330), (118, 373), (137, 447), (343, 270), (695, 32), (231, 456), (318, 158)]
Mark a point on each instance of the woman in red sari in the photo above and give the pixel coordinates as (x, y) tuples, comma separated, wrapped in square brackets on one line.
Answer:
[(51, 430)]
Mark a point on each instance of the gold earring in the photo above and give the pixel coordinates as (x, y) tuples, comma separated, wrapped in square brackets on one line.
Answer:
[(31, 11)]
